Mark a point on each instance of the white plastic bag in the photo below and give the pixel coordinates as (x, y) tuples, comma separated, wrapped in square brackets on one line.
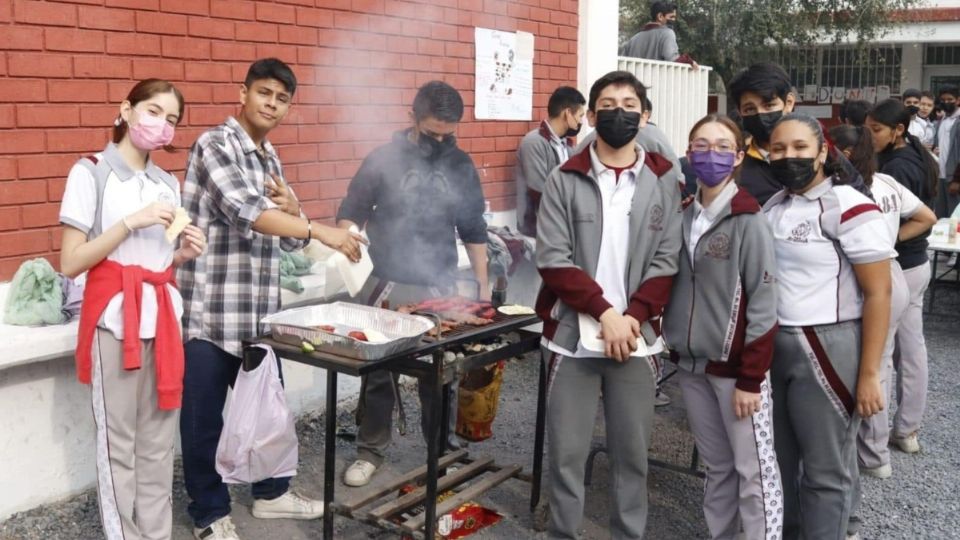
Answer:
[(259, 439)]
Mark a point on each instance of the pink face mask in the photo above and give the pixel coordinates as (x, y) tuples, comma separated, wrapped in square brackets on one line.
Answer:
[(150, 132)]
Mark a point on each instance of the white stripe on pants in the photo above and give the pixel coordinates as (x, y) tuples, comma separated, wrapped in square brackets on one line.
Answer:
[(910, 360), (743, 478), (134, 444), (874, 434)]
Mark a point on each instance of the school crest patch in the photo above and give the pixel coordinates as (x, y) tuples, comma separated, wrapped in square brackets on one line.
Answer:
[(800, 233), (718, 247), (656, 218)]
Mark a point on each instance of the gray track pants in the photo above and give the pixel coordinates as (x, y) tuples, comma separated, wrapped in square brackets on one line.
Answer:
[(874, 435), (910, 361), (576, 386), (743, 478), (134, 444), (814, 378)]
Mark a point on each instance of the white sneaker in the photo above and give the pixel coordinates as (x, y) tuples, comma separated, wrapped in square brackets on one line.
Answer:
[(661, 399), (290, 505), (359, 473), (221, 529), (909, 444), (882, 472)]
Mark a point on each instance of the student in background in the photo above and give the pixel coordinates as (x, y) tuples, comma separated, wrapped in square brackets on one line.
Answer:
[(545, 148), (833, 276), (853, 112), (927, 118), (723, 354), (115, 208), (658, 40), (902, 157), (947, 148)]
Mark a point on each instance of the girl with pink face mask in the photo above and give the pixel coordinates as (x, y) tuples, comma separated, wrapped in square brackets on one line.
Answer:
[(116, 209)]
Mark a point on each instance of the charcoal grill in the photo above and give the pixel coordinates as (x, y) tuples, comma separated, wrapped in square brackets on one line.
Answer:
[(378, 504)]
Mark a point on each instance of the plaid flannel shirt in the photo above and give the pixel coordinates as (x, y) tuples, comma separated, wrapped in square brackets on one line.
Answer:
[(236, 282)]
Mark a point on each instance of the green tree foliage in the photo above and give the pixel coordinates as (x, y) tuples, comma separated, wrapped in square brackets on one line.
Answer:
[(729, 35)]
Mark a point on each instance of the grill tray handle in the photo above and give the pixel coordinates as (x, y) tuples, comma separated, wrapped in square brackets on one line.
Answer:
[(435, 317)]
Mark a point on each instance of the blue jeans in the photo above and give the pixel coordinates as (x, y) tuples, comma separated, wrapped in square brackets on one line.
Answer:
[(208, 371)]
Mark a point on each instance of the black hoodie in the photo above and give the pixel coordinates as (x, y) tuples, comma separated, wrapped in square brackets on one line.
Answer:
[(414, 205), (908, 167)]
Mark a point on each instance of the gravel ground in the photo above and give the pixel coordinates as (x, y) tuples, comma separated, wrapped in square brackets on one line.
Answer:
[(919, 501)]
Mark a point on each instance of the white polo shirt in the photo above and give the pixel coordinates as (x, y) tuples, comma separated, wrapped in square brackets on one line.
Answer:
[(125, 192), (896, 202), (616, 199), (818, 235)]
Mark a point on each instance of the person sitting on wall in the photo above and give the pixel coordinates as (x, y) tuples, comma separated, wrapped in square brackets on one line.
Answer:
[(657, 39)]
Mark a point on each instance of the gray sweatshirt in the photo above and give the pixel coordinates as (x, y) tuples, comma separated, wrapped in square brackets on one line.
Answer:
[(654, 42), (722, 315), (536, 157), (652, 139), (569, 232)]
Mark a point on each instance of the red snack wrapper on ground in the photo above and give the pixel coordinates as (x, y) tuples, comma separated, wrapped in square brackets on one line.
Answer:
[(463, 521)]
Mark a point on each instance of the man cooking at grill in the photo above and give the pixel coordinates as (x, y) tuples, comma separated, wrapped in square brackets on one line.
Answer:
[(414, 195)]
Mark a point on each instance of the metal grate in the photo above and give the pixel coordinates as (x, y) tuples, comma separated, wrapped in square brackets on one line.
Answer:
[(941, 55), (847, 67)]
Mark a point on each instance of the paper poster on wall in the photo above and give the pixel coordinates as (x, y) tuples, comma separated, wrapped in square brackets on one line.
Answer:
[(883, 92), (809, 92), (870, 94), (504, 75), (854, 93), (839, 93), (823, 94)]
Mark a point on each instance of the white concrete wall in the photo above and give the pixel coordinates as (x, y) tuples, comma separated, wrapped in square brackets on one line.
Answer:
[(597, 41), (47, 432)]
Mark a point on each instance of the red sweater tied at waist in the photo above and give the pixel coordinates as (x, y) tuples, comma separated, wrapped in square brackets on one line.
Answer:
[(104, 281)]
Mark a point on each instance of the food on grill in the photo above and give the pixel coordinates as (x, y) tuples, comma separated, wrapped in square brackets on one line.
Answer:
[(307, 347), (454, 311)]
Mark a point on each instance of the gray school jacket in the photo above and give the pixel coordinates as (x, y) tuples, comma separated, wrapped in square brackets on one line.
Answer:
[(536, 157), (654, 42), (721, 318), (569, 231)]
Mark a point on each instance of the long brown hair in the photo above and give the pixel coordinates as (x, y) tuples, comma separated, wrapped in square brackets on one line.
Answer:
[(143, 91)]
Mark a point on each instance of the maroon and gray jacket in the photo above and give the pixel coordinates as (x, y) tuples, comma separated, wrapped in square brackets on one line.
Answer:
[(722, 315), (569, 231)]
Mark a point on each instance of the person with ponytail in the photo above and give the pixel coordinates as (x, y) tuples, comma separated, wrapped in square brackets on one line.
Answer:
[(720, 323), (906, 217), (115, 209), (904, 157), (833, 310)]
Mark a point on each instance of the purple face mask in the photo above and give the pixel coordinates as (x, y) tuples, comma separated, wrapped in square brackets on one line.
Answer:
[(712, 167)]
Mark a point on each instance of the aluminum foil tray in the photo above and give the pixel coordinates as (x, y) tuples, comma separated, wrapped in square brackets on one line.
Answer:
[(294, 326)]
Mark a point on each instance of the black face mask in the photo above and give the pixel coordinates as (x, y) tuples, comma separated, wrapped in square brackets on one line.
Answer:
[(671, 24), (573, 132), (617, 127), (431, 148), (913, 110), (760, 125), (794, 174), (949, 108)]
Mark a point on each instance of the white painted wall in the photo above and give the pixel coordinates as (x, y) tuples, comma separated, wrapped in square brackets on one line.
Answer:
[(47, 432), (597, 41)]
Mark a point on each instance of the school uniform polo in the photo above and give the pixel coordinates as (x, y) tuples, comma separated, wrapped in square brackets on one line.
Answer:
[(819, 235), (125, 192), (817, 282)]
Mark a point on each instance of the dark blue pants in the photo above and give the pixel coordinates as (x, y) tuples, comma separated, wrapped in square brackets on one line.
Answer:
[(209, 370)]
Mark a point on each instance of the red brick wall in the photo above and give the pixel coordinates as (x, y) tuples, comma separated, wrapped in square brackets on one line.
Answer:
[(66, 65)]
